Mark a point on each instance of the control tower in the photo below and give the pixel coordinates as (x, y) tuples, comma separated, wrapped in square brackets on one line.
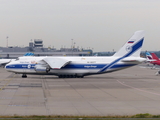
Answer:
[(38, 43)]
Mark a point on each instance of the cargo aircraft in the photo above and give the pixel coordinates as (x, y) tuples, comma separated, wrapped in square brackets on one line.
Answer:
[(71, 67)]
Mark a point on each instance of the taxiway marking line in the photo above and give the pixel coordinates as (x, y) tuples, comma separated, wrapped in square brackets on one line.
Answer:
[(138, 88), (9, 80)]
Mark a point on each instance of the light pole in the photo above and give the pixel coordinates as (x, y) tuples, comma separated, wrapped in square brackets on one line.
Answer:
[(72, 47), (7, 41)]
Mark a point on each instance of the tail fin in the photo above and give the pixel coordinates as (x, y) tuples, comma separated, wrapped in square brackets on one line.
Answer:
[(154, 56), (133, 46), (149, 56)]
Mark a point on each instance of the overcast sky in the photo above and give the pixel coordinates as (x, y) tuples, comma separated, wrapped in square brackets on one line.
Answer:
[(102, 25)]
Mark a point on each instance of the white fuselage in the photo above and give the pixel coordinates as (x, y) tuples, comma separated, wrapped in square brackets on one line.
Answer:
[(78, 66)]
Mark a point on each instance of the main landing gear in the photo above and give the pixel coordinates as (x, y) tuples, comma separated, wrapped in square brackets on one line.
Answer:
[(70, 76), (24, 76)]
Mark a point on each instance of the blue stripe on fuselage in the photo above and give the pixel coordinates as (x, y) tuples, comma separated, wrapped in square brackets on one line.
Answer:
[(93, 66), (70, 66), (122, 65), (134, 49), (82, 66), (21, 66)]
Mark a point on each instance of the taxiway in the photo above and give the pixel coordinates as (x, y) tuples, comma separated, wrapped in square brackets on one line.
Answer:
[(127, 92)]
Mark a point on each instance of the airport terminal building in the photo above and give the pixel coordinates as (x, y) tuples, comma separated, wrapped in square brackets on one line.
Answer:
[(38, 49)]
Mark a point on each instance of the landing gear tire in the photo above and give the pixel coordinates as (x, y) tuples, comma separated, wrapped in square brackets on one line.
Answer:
[(24, 76), (60, 76), (80, 76), (47, 69), (70, 76)]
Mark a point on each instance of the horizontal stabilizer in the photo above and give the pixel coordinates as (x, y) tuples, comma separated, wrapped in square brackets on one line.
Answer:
[(151, 60), (128, 60)]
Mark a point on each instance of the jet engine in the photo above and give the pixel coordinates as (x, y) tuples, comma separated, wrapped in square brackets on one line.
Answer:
[(42, 68)]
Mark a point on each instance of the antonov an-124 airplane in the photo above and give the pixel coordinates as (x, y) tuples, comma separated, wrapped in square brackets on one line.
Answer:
[(67, 67)]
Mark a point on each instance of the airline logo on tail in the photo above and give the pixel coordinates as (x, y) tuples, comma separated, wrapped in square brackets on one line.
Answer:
[(149, 56), (128, 48)]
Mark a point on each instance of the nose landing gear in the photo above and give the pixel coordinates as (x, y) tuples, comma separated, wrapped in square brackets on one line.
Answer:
[(24, 76)]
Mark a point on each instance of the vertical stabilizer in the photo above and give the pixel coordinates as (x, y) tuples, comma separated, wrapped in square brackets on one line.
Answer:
[(133, 46), (149, 56), (154, 56)]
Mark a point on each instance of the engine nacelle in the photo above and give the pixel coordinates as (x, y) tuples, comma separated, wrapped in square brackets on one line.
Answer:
[(39, 68)]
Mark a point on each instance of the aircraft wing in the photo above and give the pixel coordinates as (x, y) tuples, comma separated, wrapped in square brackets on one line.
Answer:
[(4, 61), (56, 63)]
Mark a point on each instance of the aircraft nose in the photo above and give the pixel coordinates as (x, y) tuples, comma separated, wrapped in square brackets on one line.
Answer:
[(7, 66)]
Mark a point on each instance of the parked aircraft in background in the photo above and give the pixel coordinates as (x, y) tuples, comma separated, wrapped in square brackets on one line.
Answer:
[(152, 58), (127, 56), (3, 62)]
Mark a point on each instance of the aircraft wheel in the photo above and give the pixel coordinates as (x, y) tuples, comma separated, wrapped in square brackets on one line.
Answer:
[(67, 76), (47, 69), (24, 76), (63, 76), (60, 76)]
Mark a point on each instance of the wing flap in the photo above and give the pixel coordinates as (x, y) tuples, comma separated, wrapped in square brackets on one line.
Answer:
[(56, 63)]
